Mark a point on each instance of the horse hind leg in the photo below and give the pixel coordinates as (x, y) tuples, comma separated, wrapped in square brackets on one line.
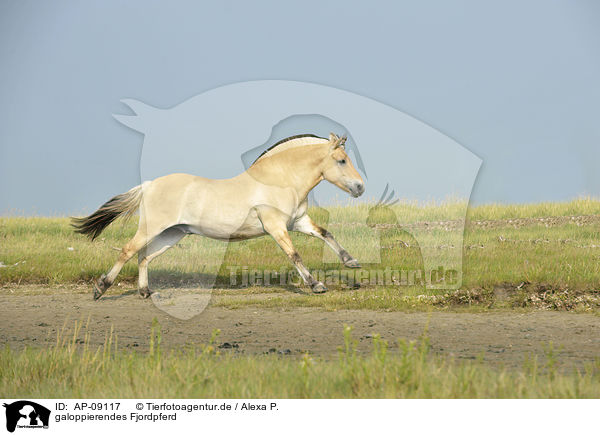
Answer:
[(129, 250), (165, 240)]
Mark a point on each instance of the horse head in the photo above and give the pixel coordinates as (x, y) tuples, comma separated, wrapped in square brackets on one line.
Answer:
[(338, 168)]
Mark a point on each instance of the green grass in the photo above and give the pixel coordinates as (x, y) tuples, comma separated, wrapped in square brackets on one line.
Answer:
[(71, 370), (510, 263), (520, 262)]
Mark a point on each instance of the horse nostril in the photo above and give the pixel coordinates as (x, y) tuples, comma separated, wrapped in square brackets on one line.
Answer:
[(359, 188)]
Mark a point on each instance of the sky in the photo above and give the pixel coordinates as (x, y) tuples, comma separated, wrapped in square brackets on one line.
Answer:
[(515, 83)]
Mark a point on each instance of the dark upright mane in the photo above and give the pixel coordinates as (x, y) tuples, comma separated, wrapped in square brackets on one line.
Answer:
[(287, 139)]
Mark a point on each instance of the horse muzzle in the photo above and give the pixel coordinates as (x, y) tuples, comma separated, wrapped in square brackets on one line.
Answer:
[(356, 189)]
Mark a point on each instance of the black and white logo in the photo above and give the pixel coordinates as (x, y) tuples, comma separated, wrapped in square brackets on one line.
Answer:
[(26, 414)]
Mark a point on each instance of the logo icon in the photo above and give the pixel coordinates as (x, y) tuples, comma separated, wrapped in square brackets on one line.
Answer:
[(26, 414)]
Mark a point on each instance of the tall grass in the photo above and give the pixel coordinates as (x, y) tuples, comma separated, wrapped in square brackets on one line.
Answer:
[(584, 206), (71, 370), (562, 256)]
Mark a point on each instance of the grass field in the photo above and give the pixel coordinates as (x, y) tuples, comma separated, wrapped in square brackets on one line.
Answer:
[(536, 255), (69, 371), (514, 257)]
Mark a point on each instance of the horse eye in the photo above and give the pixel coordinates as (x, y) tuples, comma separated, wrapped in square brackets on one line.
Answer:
[(342, 162)]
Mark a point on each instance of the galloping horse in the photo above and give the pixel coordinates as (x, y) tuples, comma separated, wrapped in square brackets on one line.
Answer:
[(269, 198)]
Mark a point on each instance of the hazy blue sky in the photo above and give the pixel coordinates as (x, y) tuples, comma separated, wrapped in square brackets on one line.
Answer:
[(516, 83)]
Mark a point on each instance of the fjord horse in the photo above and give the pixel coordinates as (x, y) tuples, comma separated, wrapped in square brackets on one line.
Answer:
[(268, 198)]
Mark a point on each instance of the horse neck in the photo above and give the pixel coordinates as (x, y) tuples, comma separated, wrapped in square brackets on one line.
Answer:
[(298, 168)]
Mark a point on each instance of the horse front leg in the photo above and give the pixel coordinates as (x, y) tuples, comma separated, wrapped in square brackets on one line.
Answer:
[(275, 226), (307, 226)]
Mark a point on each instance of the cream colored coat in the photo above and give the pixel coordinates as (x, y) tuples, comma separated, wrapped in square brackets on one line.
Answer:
[(269, 198)]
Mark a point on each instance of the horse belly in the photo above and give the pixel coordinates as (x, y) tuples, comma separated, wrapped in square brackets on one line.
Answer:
[(247, 229)]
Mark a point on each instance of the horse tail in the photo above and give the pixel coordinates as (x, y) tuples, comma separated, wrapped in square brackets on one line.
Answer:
[(125, 204)]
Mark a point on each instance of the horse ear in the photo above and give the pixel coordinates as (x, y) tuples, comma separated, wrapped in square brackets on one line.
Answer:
[(336, 141)]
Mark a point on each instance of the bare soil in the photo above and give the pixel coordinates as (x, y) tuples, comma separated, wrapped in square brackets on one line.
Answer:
[(507, 338)]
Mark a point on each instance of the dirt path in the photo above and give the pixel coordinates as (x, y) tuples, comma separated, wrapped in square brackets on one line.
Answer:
[(503, 337)]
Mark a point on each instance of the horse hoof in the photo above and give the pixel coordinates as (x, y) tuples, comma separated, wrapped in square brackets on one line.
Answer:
[(100, 287), (97, 292), (145, 292), (318, 287), (352, 263)]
